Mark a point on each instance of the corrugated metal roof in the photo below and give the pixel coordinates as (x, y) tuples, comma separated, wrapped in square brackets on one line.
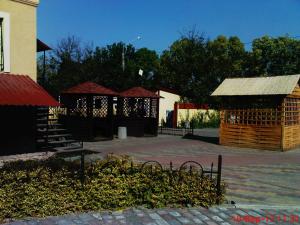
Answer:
[(138, 92), (21, 90), (277, 85), (41, 46), (90, 88)]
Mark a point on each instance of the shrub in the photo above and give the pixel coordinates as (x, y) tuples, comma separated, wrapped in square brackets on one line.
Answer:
[(205, 120), (53, 187)]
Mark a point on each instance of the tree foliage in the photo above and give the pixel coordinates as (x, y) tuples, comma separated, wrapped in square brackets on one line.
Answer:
[(193, 65)]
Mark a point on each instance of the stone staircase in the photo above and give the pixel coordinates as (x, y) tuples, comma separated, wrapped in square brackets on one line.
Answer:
[(51, 135)]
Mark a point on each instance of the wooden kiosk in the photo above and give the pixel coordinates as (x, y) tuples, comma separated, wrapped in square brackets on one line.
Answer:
[(260, 112), (89, 111), (138, 110)]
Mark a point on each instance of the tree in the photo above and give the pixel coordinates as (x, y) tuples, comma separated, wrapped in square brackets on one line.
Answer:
[(196, 66), (72, 63), (226, 58), (183, 66), (274, 56)]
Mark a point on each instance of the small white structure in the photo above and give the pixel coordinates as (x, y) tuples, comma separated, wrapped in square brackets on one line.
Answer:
[(122, 132), (166, 103)]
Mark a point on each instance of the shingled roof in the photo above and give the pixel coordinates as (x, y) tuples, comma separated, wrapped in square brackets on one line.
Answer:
[(90, 88), (277, 85), (138, 92)]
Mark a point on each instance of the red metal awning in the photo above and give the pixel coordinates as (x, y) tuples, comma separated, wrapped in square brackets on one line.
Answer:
[(138, 92), (90, 88), (21, 90)]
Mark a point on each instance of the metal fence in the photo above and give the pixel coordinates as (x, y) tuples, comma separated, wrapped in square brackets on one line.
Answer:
[(189, 166), (175, 131)]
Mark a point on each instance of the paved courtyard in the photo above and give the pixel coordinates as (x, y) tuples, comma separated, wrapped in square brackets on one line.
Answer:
[(141, 216), (254, 177), (263, 184)]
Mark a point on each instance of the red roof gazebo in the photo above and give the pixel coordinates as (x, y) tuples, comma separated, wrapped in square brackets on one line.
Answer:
[(138, 110), (89, 110)]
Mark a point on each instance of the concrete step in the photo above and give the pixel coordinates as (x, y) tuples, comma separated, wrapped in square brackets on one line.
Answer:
[(59, 136), (54, 130), (60, 142)]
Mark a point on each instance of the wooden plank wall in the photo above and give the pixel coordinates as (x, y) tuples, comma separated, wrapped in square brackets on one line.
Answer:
[(251, 136), (291, 137), (295, 93)]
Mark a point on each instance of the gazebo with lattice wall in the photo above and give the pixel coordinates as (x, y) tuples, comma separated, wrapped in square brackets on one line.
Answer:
[(88, 111), (138, 110), (260, 112)]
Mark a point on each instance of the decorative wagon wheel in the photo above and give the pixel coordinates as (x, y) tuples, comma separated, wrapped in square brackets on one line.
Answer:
[(189, 167), (150, 165)]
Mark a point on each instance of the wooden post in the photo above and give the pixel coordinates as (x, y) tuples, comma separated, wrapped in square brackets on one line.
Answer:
[(175, 114), (89, 106), (82, 172), (110, 116), (282, 122), (157, 116)]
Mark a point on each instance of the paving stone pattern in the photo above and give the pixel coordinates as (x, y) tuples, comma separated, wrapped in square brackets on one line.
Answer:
[(141, 216)]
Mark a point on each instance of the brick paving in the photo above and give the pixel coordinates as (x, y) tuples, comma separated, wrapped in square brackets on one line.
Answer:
[(257, 180), (253, 176), (169, 216)]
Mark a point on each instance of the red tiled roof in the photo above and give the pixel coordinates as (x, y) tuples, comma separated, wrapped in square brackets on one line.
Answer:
[(21, 90), (138, 92), (90, 88)]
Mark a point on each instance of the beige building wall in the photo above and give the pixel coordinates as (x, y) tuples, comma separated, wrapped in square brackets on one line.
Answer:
[(22, 16), (166, 103)]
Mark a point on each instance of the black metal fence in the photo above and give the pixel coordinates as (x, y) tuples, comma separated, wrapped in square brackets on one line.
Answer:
[(152, 165), (212, 173), (175, 131)]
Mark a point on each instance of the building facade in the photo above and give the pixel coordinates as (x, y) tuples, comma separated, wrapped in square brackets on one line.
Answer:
[(18, 37)]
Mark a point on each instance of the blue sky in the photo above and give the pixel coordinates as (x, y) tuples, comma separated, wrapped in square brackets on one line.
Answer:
[(160, 22)]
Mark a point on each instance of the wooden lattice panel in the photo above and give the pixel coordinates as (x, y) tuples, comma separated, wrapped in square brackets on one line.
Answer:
[(147, 107), (266, 117), (100, 106), (80, 109), (135, 107), (292, 111), (154, 107)]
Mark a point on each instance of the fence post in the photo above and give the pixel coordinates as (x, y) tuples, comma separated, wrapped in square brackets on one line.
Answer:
[(82, 177), (171, 173), (219, 178), (192, 128)]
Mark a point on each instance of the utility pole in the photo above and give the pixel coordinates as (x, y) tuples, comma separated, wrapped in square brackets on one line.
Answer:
[(123, 51)]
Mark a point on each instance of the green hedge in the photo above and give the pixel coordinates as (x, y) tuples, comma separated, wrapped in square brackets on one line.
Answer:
[(202, 120), (53, 187)]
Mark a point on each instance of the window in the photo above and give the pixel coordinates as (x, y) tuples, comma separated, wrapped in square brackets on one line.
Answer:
[(4, 42)]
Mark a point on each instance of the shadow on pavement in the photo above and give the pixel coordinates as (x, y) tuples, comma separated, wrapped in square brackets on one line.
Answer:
[(212, 140)]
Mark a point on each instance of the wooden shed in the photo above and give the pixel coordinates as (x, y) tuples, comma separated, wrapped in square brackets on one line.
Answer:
[(261, 112)]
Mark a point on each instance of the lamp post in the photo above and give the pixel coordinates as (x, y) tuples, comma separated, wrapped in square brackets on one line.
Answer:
[(123, 51)]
